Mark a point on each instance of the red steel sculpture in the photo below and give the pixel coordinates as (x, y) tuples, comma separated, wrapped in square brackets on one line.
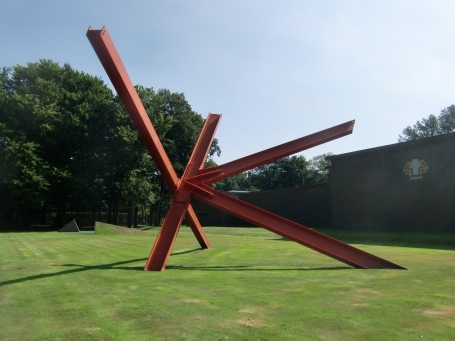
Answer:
[(196, 180)]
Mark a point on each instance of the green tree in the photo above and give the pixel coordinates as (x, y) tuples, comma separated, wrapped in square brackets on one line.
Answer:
[(138, 193), (178, 139), (67, 143), (288, 172), (446, 120), (239, 182), (52, 119), (317, 170), (431, 126)]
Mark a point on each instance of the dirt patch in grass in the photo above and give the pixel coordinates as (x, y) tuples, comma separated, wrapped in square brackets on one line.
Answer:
[(367, 291), (249, 322), (364, 293), (329, 335), (248, 310), (287, 291), (443, 311), (192, 300)]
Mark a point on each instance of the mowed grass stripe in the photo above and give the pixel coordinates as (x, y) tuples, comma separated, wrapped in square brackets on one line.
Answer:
[(251, 286)]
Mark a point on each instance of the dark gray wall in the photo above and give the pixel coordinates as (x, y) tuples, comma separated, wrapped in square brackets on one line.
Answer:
[(309, 206), (368, 190), (211, 216), (371, 191)]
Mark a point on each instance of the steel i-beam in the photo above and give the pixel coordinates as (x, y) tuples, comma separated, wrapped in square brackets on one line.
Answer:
[(110, 59), (195, 180)]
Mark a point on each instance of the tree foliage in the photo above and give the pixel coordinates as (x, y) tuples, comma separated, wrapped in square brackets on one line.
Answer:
[(66, 142), (431, 126), (51, 118), (289, 172)]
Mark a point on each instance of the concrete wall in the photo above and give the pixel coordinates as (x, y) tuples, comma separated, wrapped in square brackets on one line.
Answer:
[(211, 216), (309, 206), (370, 190)]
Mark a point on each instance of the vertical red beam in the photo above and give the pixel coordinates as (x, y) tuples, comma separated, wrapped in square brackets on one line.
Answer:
[(166, 238)]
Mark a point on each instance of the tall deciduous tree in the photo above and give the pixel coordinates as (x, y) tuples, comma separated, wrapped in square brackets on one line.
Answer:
[(178, 127), (66, 142), (51, 117)]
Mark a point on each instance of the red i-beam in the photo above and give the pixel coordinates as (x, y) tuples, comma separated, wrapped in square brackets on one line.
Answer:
[(196, 180)]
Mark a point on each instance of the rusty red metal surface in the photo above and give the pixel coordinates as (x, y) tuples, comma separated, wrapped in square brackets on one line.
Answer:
[(195, 180), (110, 59)]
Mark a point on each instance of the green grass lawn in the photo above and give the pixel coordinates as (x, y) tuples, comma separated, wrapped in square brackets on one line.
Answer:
[(252, 285)]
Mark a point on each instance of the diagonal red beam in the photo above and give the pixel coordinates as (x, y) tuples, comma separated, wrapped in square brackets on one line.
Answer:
[(168, 233), (290, 230), (278, 152), (110, 59), (202, 146), (112, 63), (193, 221)]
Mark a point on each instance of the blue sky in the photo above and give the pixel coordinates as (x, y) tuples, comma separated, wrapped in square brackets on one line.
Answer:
[(276, 70)]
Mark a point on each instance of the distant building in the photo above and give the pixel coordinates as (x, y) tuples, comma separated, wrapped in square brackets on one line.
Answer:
[(309, 206), (211, 216), (403, 186)]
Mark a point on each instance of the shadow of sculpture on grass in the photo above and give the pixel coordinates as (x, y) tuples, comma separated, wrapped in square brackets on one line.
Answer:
[(253, 268), (80, 268), (76, 268)]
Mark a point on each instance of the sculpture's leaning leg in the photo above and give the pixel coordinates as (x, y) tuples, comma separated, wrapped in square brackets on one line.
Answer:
[(165, 240), (293, 231)]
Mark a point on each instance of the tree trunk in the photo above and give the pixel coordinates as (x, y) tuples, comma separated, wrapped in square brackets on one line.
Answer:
[(109, 212), (115, 211), (60, 213), (130, 217), (158, 204), (135, 216), (43, 214), (151, 215), (26, 216)]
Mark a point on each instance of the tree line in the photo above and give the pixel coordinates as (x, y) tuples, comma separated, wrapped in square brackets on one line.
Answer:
[(431, 126), (289, 172), (67, 144)]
